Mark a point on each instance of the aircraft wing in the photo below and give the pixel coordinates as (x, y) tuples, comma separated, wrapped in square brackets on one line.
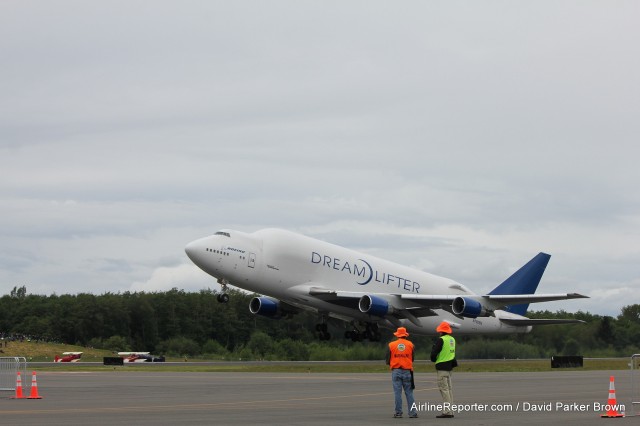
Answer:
[(414, 306), (434, 300), (396, 307), (512, 299), (518, 322), (438, 301), (502, 301)]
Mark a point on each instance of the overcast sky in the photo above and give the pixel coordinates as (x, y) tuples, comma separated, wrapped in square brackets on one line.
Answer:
[(460, 138)]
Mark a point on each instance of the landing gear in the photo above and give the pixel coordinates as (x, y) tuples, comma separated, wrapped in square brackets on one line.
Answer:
[(224, 296), (321, 328), (371, 333), (354, 335), (323, 333)]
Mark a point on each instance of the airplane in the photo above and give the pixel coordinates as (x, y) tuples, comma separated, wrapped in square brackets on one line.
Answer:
[(295, 272), (139, 357), (68, 357)]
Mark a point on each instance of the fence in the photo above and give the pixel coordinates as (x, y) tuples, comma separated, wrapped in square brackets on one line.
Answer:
[(635, 383), (9, 368)]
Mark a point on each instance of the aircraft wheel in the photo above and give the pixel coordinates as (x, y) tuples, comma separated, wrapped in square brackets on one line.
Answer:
[(347, 334), (323, 335), (223, 298)]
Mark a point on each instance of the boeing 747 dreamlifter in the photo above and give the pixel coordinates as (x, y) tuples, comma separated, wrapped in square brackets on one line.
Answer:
[(296, 272)]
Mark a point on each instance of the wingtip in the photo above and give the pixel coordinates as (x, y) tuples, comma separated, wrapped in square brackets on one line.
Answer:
[(577, 296)]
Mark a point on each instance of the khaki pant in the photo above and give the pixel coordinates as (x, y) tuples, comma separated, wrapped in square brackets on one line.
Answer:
[(446, 390)]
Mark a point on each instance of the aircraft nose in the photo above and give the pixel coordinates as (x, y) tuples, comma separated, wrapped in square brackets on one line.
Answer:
[(197, 252), (192, 249)]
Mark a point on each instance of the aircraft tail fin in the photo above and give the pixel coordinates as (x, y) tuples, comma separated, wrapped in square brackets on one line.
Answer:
[(524, 281)]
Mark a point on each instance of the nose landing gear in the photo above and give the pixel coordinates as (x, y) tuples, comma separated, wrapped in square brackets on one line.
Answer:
[(224, 296)]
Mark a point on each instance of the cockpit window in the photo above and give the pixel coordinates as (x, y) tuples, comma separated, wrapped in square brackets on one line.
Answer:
[(226, 234)]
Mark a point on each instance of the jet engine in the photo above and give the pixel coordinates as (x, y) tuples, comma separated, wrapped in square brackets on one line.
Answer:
[(374, 305), (265, 306), (469, 308)]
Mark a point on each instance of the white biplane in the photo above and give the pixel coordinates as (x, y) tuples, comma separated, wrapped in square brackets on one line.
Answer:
[(139, 357), (68, 357)]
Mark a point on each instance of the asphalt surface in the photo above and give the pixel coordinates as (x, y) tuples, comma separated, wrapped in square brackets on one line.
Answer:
[(155, 397)]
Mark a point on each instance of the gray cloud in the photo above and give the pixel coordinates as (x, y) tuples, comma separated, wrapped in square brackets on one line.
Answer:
[(458, 139)]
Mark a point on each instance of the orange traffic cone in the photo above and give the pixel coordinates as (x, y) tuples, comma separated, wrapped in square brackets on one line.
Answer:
[(34, 387), (19, 394), (612, 406)]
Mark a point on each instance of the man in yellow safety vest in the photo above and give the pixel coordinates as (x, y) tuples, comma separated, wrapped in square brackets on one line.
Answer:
[(443, 354)]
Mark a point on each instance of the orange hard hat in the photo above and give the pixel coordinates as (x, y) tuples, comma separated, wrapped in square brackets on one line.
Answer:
[(444, 327), (401, 332)]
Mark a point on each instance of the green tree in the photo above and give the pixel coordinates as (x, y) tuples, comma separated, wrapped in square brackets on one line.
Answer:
[(260, 344), (179, 346), (19, 292), (571, 347), (213, 347), (116, 344), (605, 331), (630, 314)]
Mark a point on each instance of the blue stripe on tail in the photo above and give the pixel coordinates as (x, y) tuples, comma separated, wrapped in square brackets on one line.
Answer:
[(524, 281)]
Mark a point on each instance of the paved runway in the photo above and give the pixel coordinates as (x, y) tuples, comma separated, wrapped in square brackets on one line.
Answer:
[(164, 398)]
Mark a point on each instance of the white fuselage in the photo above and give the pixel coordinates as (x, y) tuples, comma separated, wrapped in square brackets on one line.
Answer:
[(285, 265)]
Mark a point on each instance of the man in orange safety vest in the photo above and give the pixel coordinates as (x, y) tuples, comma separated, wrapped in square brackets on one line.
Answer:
[(400, 359)]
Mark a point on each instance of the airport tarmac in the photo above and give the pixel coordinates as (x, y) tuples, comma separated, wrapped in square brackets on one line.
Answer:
[(155, 397)]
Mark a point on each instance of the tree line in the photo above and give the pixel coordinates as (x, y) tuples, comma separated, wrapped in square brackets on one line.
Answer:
[(179, 323)]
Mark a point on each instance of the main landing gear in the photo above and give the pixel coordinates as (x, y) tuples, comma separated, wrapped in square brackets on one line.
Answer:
[(224, 296), (321, 330), (371, 333)]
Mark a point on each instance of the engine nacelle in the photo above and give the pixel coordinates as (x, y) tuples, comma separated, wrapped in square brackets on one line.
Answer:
[(265, 306), (374, 305), (467, 307)]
